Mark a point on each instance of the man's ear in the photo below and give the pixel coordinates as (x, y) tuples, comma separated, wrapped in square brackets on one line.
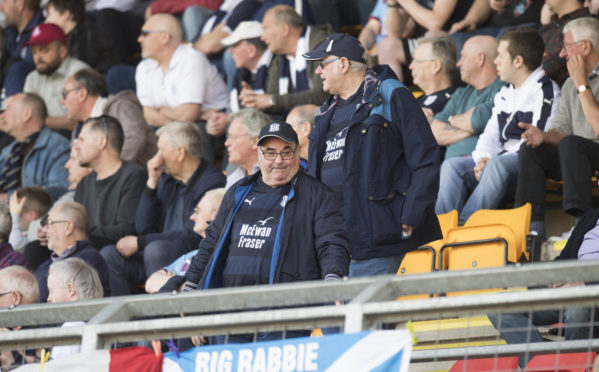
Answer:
[(63, 51), (16, 298), (437, 66), (26, 114), (518, 61), (102, 141), (181, 153), (72, 290)]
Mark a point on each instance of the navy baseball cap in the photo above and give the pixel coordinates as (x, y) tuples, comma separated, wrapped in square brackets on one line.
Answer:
[(340, 45), (278, 129)]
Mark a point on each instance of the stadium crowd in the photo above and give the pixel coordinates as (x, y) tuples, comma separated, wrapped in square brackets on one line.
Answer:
[(126, 124)]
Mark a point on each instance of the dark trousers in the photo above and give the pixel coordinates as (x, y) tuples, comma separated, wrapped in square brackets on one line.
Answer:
[(574, 160)]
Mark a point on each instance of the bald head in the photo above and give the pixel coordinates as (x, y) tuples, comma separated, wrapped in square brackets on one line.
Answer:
[(486, 45), (476, 64), (167, 23)]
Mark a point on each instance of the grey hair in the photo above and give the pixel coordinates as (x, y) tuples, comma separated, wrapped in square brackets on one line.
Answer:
[(444, 49), (5, 221), (215, 197), (83, 276), (584, 28), (75, 213), (252, 119), (356, 66), (19, 279), (185, 134)]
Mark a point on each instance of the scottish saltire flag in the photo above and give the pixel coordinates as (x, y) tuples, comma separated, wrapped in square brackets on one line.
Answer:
[(376, 351)]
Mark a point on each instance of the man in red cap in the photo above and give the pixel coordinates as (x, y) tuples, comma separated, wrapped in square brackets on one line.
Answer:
[(52, 68)]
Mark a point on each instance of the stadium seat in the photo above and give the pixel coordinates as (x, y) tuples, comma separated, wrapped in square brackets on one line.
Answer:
[(571, 362), (502, 364), (518, 219), (447, 221), (475, 247), (421, 260)]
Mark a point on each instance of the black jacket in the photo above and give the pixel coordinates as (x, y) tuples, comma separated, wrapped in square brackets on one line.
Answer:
[(391, 168), (312, 244)]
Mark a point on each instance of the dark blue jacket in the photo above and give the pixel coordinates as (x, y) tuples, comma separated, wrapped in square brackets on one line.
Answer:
[(154, 204), (391, 167), (310, 244), (85, 251)]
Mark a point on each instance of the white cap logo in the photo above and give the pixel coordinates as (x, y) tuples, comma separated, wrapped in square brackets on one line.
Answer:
[(36, 31), (274, 127), (330, 46)]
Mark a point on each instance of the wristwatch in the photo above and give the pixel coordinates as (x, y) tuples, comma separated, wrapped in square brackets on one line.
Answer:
[(271, 101), (582, 88)]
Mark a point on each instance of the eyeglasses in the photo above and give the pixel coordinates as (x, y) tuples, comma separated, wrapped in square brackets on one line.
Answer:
[(46, 221), (567, 45), (65, 92), (145, 33), (5, 293), (285, 155), (234, 137), (321, 64), (422, 60)]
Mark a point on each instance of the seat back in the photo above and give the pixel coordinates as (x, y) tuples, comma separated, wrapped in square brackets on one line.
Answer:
[(503, 364), (447, 221), (421, 260), (518, 219), (474, 247), (572, 362)]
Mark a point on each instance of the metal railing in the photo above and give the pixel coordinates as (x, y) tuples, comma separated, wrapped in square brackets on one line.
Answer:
[(368, 303)]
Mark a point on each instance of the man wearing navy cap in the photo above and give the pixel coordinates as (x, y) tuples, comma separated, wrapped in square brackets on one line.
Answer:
[(277, 225), (372, 144), (53, 66)]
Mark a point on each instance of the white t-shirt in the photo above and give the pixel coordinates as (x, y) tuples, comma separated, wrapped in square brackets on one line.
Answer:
[(189, 78), (59, 352)]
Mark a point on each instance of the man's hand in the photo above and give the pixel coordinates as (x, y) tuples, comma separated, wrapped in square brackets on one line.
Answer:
[(478, 168), (532, 135), (251, 99), (155, 169), (463, 25), (578, 70), (15, 205), (127, 246), (42, 235), (216, 125), (498, 5), (428, 113), (406, 230)]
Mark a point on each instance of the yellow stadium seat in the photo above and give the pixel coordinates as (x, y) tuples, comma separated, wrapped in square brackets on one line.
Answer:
[(518, 219), (421, 260), (447, 221), (474, 247)]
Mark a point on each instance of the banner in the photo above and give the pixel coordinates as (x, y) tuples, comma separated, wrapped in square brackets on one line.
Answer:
[(376, 351)]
